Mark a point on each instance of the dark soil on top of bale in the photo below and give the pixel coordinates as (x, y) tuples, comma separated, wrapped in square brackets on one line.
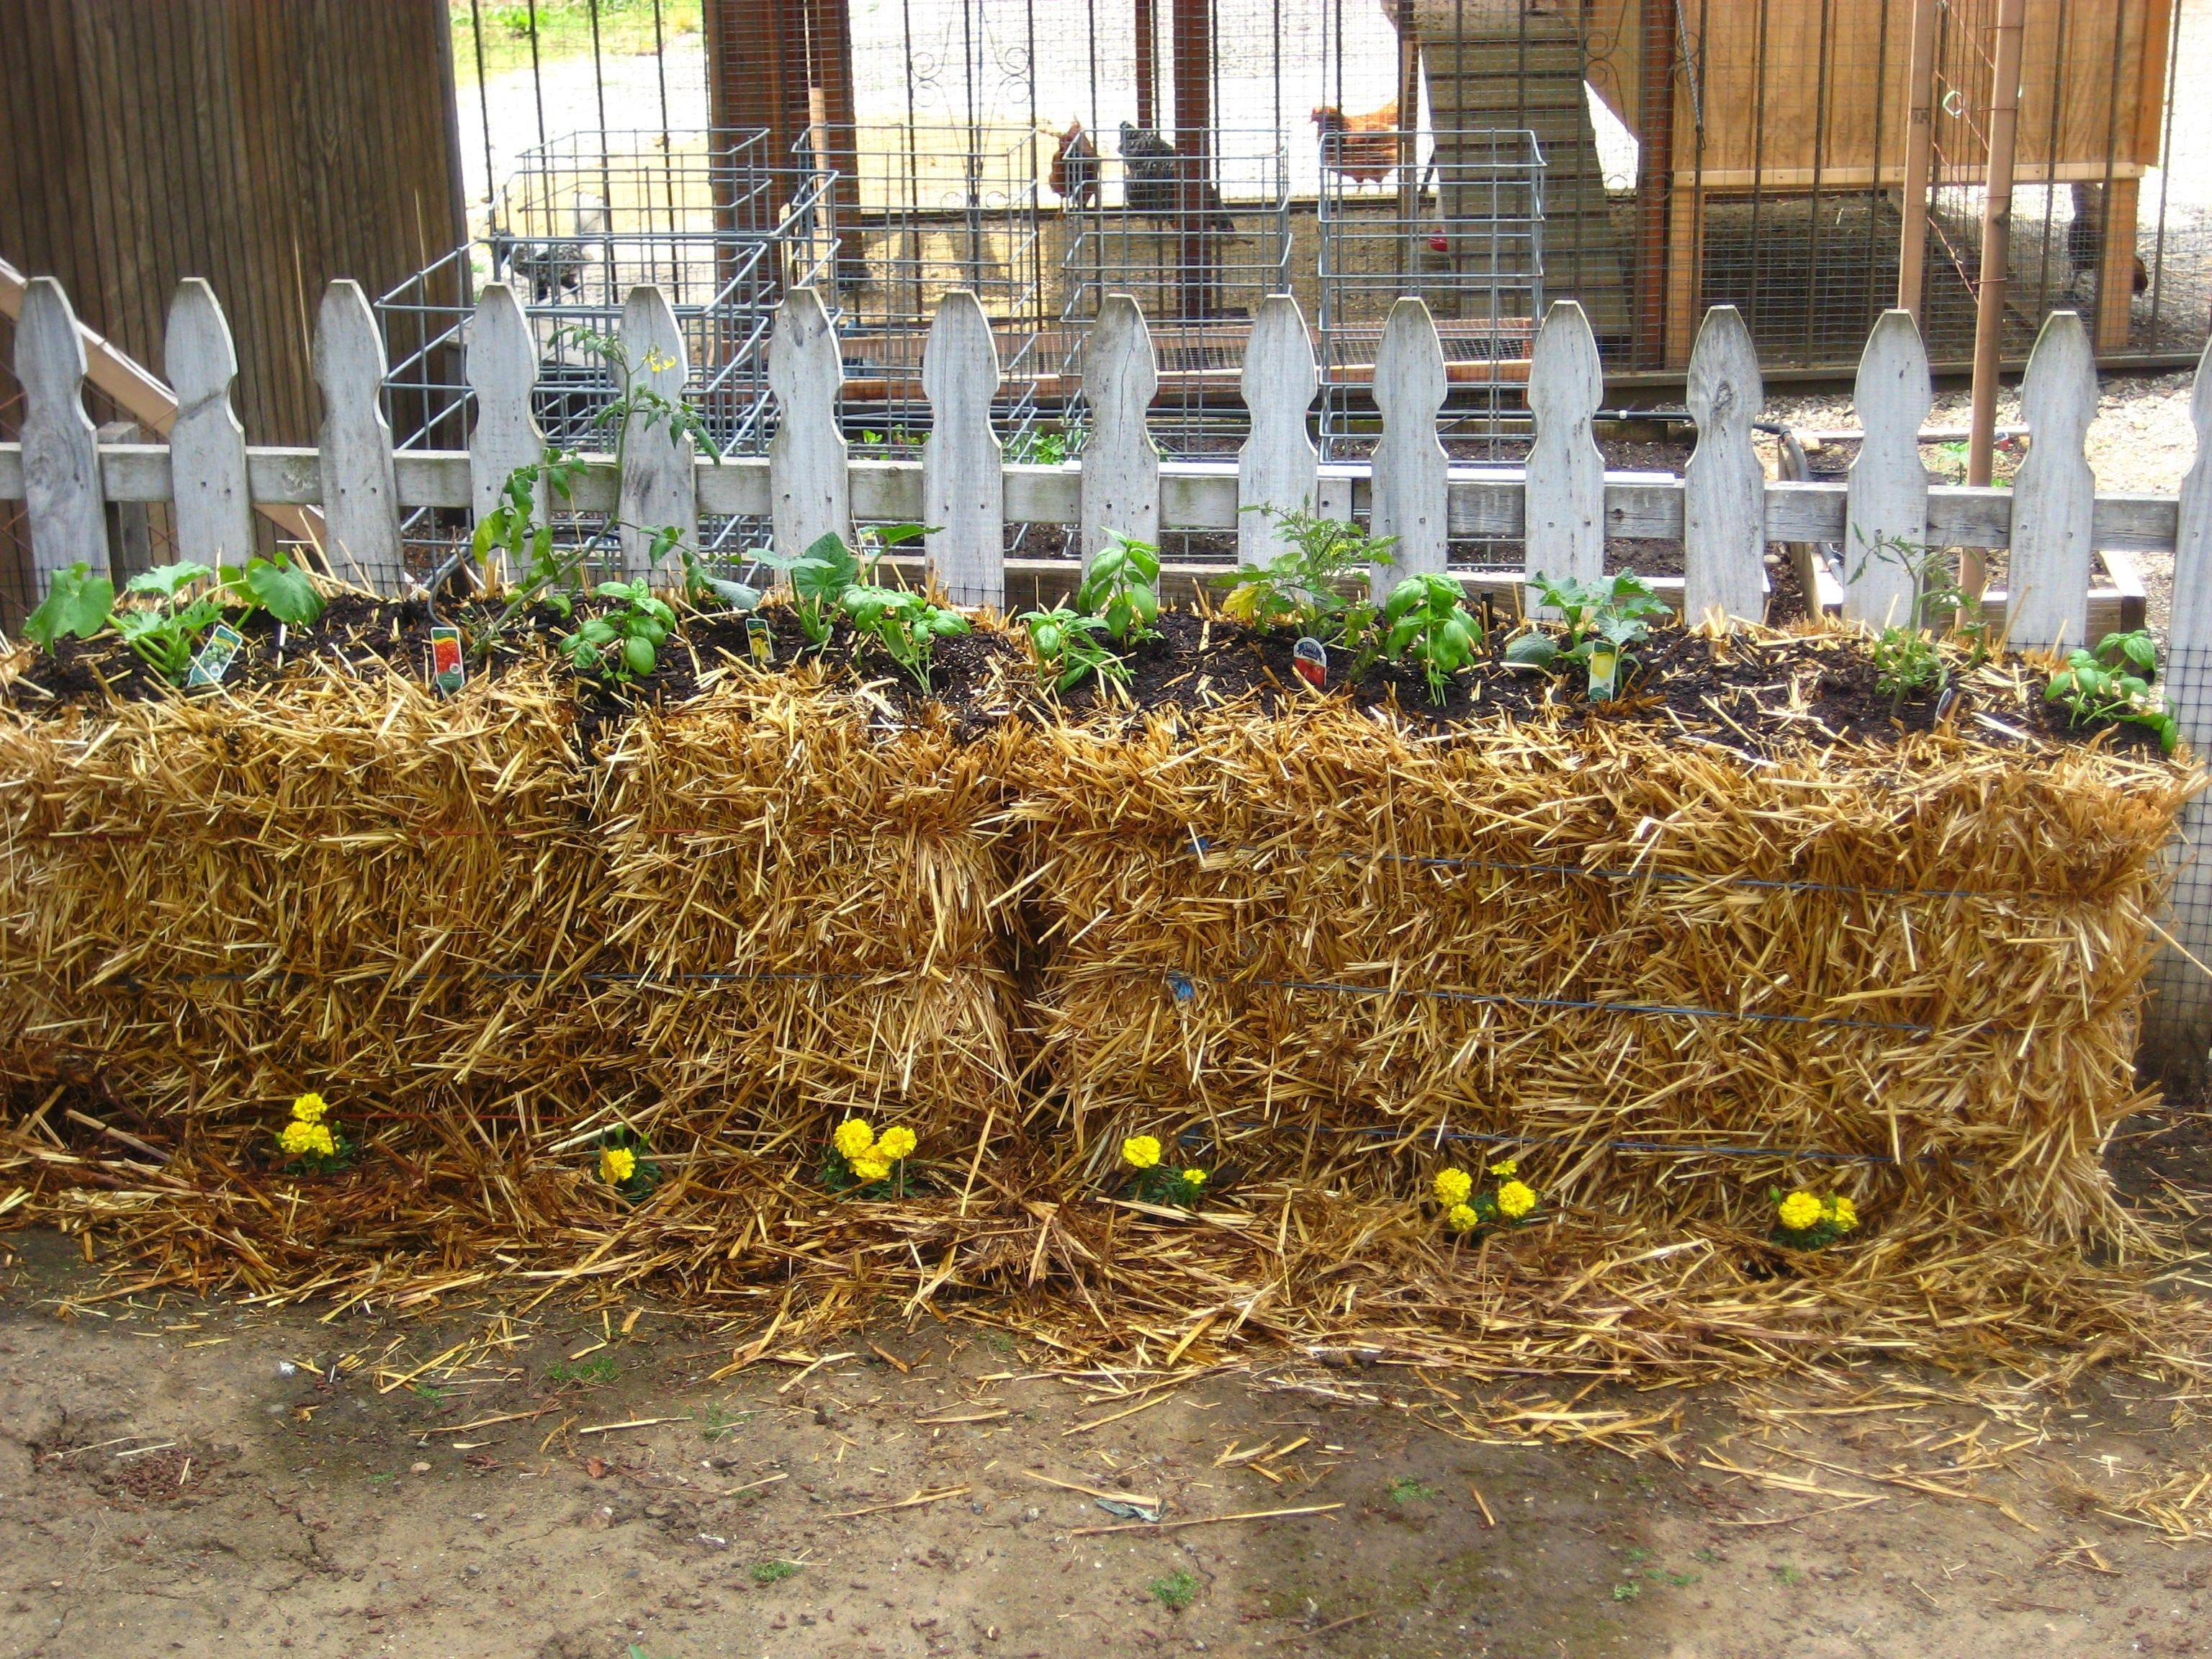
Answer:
[(1762, 691)]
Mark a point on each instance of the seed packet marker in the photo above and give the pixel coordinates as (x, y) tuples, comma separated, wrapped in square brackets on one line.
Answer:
[(448, 670), (1311, 658), (214, 658)]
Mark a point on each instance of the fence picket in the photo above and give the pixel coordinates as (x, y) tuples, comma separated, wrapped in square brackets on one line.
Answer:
[(964, 484), (1121, 468), (502, 372), (2054, 496), (658, 490), (1566, 511), (1277, 468), (360, 497), (1889, 488), (1411, 478), (2177, 1029), (807, 458), (1724, 485), (213, 503), (61, 445)]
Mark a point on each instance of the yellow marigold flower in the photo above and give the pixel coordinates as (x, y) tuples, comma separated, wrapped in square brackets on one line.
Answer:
[(1506, 1167), (1194, 1178), (617, 1164), (1141, 1153), (853, 1137), (1515, 1199), (870, 1170), (1453, 1185), (307, 1140), (309, 1107), (1800, 1211), (896, 1143), (1462, 1218), (1843, 1213)]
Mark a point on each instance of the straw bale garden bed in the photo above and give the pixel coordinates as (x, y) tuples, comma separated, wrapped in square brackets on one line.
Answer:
[(1506, 1026)]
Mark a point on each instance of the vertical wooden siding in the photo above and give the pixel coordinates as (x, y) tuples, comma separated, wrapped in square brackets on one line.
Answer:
[(265, 145)]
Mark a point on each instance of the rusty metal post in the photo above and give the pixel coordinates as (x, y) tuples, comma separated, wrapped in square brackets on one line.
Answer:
[(1919, 155), (1996, 256)]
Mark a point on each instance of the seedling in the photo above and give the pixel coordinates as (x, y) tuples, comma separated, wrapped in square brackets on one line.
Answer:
[(1425, 619), (167, 630), (1122, 587), (622, 642), (1177, 1591), (601, 1370), (282, 588), (1405, 1489), (1302, 587), (1907, 658), (2112, 683), (1607, 618), (718, 1424), (774, 1573), (821, 576), (1067, 647), (906, 624)]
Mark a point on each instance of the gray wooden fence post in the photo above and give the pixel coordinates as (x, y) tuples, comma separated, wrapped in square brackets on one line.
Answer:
[(964, 480), (2176, 1032), (361, 496), (1412, 482), (1723, 486), (1889, 492), (1278, 469), (213, 503), (1120, 466), (61, 447), (658, 489), (810, 494), (1564, 515), (502, 371), (2054, 497)]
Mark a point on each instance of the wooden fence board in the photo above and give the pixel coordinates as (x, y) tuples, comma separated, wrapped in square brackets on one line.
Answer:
[(963, 486), (807, 457), (1279, 468), (61, 447), (1889, 489), (657, 491), (1565, 488), (360, 495), (1121, 489), (214, 516), (1723, 486), (1411, 469), (2054, 492)]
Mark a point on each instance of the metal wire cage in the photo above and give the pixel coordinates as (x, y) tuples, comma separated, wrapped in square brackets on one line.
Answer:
[(1198, 240), (923, 211), (1454, 217)]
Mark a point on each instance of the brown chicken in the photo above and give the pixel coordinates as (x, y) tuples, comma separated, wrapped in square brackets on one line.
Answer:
[(1074, 174), (1363, 147)]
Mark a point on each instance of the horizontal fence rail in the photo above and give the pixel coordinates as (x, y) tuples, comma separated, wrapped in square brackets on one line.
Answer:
[(1562, 505)]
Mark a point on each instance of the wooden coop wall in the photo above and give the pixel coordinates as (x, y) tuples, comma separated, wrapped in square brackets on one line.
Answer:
[(265, 145)]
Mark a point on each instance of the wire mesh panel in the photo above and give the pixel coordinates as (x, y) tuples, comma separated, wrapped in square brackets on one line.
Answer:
[(1456, 218), (929, 209), (1199, 234)]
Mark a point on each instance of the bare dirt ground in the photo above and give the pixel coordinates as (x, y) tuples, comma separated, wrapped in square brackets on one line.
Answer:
[(565, 1481)]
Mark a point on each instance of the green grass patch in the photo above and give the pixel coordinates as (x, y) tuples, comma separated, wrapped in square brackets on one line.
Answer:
[(1177, 1591), (564, 30), (774, 1573)]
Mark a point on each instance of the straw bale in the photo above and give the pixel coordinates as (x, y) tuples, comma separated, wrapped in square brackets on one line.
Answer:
[(342, 882), (1319, 944)]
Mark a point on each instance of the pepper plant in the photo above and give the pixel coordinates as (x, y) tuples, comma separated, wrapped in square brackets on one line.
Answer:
[(1611, 614), (1303, 587)]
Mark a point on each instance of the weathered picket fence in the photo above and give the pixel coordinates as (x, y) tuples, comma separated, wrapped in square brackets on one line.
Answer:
[(1562, 505)]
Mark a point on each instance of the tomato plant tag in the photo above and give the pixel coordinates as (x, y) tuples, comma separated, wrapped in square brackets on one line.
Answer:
[(1604, 673), (760, 641), (214, 658), (1311, 658), (448, 671)]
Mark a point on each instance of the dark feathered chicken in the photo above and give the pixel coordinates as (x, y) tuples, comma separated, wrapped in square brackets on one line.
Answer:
[(2084, 239), (1151, 182)]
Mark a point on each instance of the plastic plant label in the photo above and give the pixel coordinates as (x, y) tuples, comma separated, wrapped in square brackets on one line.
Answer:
[(1311, 658), (448, 671), (760, 641), (1604, 674), (214, 658)]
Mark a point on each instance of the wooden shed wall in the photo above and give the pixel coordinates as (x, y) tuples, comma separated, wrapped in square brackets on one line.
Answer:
[(265, 145)]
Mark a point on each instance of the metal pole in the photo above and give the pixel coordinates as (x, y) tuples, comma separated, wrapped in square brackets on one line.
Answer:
[(1996, 251), (1919, 154)]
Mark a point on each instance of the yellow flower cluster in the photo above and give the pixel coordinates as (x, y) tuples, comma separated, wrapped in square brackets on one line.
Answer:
[(1801, 1211), (1515, 1199), (1194, 1178), (309, 1107), (302, 1138), (1506, 1167), (872, 1158), (1141, 1153), (617, 1164), (1462, 1218), (1452, 1186)]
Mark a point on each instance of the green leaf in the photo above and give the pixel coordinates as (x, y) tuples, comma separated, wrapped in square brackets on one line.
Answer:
[(284, 590), (169, 579), (736, 595), (638, 654), (76, 603)]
